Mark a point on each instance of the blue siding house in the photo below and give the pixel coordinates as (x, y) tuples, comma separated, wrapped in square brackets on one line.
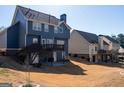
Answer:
[(30, 27)]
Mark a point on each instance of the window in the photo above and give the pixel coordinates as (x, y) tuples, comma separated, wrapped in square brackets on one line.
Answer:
[(35, 40), (49, 41), (95, 48), (60, 29), (36, 26), (46, 28), (55, 29), (63, 54), (43, 41), (60, 42)]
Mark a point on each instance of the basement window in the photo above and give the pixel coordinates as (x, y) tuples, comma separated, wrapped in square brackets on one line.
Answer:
[(43, 41), (49, 41), (95, 48), (60, 42), (35, 40)]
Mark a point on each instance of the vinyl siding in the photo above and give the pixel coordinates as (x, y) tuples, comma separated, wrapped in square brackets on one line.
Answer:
[(22, 30), (92, 49), (3, 40), (13, 36), (121, 50), (112, 46), (77, 44)]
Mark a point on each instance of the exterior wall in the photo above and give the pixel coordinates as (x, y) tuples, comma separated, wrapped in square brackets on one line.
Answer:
[(92, 49), (111, 46), (65, 48), (22, 30), (65, 34), (22, 35), (77, 44), (80, 46), (121, 50), (59, 55), (102, 46), (49, 35), (93, 52), (115, 46), (3, 40), (29, 39), (13, 36), (111, 50), (9, 39)]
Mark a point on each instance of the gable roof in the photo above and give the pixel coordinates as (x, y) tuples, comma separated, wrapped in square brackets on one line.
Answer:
[(110, 38), (30, 14), (62, 22), (90, 37), (38, 16)]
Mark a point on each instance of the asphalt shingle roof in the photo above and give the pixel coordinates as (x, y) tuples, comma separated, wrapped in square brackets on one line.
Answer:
[(110, 38), (90, 37), (39, 16)]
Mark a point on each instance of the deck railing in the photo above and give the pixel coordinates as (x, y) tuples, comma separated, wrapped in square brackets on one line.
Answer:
[(38, 47)]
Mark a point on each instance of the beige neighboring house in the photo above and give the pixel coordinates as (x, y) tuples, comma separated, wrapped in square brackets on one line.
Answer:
[(3, 39), (121, 53), (95, 48), (121, 50), (108, 49), (83, 44)]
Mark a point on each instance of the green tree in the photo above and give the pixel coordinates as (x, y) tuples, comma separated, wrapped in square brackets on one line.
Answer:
[(1, 28), (114, 37), (120, 39)]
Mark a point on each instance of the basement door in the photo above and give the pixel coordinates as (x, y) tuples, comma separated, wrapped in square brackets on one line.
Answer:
[(94, 59)]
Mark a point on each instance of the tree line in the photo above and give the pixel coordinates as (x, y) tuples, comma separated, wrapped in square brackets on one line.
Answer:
[(119, 38)]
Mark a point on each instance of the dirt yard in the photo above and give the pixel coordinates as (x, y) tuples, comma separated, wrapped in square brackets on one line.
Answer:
[(77, 73)]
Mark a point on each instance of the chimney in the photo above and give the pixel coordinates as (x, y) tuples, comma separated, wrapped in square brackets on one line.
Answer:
[(63, 17)]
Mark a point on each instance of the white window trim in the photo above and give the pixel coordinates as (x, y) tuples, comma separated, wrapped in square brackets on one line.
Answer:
[(55, 29), (63, 54), (46, 28), (35, 40), (36, 26), (61, 29), (44, 40), (50, 41), (55, 56), (60, 42)]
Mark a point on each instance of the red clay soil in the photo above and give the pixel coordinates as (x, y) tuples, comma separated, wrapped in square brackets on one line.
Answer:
[(77, 73)]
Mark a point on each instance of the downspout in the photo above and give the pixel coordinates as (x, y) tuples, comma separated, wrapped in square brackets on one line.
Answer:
[(26, 32)]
